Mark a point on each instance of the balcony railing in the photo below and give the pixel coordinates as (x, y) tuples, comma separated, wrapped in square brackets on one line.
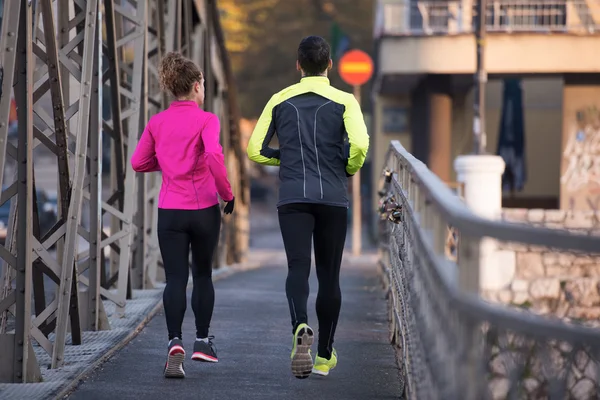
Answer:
[(413, 17)]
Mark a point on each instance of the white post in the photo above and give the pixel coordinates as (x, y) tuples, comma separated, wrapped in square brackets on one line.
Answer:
[(356, 202), (482, 179)]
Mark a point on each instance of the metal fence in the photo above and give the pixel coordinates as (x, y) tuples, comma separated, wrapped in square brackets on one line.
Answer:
[(406, 17), (453, 344)]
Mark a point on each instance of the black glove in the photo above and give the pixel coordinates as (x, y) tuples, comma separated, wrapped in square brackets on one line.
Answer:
[(229, 206)]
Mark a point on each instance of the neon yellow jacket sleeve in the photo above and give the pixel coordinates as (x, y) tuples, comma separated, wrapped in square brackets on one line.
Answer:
[(357, 135), (258, 145)]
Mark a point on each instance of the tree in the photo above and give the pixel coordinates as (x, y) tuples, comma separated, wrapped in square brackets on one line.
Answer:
[(262, 37)]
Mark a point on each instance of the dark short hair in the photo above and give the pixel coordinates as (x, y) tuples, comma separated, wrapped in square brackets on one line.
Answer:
[(314, 54)]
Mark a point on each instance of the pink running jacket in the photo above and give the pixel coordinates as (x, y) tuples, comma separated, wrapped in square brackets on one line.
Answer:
[(183, 143)]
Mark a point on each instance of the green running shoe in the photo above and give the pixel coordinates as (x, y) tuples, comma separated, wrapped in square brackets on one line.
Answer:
[(323, 365), (302, 363)]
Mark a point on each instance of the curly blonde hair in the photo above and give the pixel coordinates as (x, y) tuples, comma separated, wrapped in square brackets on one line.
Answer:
[(177, 74)]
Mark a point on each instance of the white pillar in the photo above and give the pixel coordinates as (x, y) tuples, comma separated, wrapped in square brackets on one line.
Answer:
[(482, 179)]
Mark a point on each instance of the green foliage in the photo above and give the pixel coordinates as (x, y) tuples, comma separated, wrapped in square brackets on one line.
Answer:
[(263, 35)]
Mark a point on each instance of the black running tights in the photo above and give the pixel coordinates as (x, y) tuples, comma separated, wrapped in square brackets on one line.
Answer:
[(326, 226), (177, 231)]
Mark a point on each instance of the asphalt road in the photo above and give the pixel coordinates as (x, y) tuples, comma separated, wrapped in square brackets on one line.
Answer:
[(253, 338)]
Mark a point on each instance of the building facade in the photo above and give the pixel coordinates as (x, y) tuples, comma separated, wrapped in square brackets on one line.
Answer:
[(425, 65)]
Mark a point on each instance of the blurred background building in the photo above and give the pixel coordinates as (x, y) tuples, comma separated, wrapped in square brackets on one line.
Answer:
[(542, 96)]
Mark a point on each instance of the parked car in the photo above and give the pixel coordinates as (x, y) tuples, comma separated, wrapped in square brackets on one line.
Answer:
[(4, 213), (13, 126), (47, 212)]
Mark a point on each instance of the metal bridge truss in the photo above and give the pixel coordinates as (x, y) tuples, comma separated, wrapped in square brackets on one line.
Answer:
[(84, 77)]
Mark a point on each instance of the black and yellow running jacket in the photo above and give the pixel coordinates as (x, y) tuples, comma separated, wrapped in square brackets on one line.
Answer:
[(322, 139)]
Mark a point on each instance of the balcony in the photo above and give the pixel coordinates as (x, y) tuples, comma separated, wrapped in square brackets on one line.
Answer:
[(436, 37), (421, 18)]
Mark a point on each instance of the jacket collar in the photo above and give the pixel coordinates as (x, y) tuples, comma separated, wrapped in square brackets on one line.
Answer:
[(316, 79), (184, 103)]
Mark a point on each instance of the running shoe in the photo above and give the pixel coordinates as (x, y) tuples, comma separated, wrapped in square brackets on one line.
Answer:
[(174, 365), (323, 365), (204, 351), (301, 354)]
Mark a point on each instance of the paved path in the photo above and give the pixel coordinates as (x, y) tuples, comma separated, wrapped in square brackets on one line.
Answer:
[(253, 338)]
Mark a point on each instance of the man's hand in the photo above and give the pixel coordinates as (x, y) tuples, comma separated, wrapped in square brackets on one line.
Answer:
[(348, 175), (229, 206)]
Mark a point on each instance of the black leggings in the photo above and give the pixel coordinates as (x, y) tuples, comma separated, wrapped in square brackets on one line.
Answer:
[(326, 226), (177, 230)]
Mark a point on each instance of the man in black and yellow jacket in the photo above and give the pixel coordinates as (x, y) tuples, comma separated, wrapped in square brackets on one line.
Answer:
[(323, 140)]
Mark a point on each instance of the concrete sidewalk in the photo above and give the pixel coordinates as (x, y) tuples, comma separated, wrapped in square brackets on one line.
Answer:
[(253, 339)]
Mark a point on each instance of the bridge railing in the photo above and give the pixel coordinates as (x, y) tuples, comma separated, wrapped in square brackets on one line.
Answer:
[(452, 343)]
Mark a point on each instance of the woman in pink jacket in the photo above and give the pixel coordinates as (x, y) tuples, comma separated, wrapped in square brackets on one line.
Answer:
[(183, 143)]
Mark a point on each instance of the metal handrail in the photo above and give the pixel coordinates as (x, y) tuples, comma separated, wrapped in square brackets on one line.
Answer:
[(406, 17), (424, 287), (457, 214)]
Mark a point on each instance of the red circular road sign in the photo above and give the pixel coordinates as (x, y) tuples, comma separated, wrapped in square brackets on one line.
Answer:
[(356, 67)]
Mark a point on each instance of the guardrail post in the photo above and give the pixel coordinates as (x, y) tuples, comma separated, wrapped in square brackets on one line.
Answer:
[(469, 264), (482, 179)]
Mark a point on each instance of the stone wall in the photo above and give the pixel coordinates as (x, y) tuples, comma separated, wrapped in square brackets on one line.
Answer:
[(551, 282), (577, 221)]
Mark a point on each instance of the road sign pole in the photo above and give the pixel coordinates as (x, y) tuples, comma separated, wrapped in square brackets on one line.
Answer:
[(356, 68), (479, 135), (356, 202)]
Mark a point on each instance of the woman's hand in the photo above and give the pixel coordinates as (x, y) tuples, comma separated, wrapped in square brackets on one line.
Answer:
[(229, 206)]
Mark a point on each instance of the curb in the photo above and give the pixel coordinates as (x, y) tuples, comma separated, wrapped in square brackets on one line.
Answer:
[(221, 273)]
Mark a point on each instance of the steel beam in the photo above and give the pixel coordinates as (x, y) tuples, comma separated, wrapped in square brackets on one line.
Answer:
[(237, 224), (8, 55), (76, 194), (113, 129), (139, 235), (125, 33), (8, 46), (156, 101), (209, 83), (24, 99), (136, 38), (94, 318)]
